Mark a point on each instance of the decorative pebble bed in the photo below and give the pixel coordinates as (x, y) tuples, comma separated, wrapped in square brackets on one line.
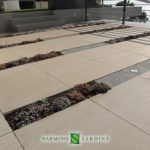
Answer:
[(83, 25), (26, 60), (42, 108), (104, 30)]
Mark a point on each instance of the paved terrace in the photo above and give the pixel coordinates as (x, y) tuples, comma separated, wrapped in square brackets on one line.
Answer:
[(122, 113)]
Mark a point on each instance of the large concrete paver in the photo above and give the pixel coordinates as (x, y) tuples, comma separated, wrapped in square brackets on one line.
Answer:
[(89, 119), (61, 63), (131, 101), (6, 56), (143, 40), (89, 38), (33, 36), (122, 60), (109, 50), (118, 33), (8, 142), (30, 50), (146, 75), (120, 55), (74, 71), (25, 84), (4, 127), (106, 50)]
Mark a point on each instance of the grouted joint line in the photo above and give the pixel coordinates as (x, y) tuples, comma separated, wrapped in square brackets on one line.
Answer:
[(18, 140), (7, 123), (6, 134), (82, 48), (139, 42), (114, 114), (144, 78), (47, 73)]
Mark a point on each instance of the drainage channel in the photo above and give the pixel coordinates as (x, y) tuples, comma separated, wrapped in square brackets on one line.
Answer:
[(126, 74), (40, 109)]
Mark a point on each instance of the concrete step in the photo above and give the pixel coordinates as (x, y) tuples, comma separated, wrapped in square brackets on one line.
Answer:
[(31, 13), (33, 19), (38, 25)]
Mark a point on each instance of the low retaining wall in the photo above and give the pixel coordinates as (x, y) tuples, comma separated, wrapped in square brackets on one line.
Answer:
[(76, 15), (5, 23), (71, 15), (112, 13), (68, 16)]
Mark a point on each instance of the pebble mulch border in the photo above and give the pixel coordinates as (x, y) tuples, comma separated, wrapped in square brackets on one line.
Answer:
[(42, 108), (21, 43), (26, 60), (104, 30), (83, 25), (127, 38)]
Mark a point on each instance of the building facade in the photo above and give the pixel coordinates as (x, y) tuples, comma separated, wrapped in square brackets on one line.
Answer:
[(55, 4)]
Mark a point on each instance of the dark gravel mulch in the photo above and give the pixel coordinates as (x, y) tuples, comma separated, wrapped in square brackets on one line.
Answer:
[(104, 30), (130, 37), (42, 108), (21, 43), (26, 60), (92, 88), (84, 25)]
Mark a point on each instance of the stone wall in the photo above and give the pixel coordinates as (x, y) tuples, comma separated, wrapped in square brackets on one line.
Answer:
[(5, 23), (112, 13), (71, 15)]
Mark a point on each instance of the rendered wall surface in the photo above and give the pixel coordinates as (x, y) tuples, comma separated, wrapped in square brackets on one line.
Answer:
[(70, 4)]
